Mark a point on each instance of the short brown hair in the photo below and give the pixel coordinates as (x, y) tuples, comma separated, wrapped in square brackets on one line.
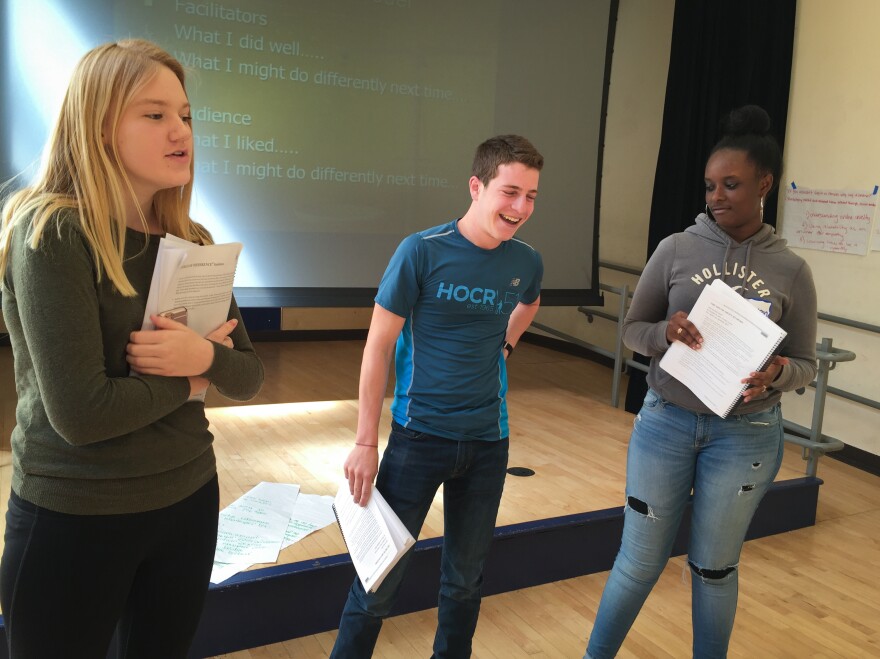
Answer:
[(501, 150)]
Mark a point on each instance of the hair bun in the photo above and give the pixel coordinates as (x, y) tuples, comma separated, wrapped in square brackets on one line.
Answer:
[(747, 120)]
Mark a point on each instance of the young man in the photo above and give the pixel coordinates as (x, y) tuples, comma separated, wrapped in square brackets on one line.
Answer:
[(455, 300)]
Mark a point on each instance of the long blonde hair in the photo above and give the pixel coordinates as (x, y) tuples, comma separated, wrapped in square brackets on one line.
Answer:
[(83, 172)]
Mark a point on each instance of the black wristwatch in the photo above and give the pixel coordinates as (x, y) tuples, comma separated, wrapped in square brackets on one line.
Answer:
[(508, 347)]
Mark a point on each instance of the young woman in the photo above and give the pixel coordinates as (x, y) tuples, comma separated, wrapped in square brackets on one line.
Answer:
[(112, 518), (678, 444)]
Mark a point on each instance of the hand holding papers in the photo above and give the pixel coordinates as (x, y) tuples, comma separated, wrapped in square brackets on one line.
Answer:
[(374, 535), (195, 277), (737, 339), (192, 284)]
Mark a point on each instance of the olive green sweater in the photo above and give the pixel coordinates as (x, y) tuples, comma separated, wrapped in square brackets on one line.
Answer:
[(89, 438)]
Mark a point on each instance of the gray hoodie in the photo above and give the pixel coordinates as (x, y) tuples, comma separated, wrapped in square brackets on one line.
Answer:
[(761, 268)]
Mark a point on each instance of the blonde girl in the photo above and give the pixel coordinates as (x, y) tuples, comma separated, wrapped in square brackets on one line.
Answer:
[(112, 518)]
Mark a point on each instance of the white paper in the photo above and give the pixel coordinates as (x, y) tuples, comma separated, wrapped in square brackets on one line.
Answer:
[(829, 220), (737, 339), (310, 513), (222, 571), (252, 528), (198, 277), (375, 537)]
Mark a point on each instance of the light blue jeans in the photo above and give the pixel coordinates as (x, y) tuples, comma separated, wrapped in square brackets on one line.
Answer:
[(729, 464)]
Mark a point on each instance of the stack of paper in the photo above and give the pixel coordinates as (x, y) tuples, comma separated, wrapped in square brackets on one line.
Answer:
[(737, 339), (375, 536), (192, 284), (262, 522), (197, 278)]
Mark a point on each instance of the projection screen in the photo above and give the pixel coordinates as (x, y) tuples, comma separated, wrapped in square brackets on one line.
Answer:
[(328, 130)]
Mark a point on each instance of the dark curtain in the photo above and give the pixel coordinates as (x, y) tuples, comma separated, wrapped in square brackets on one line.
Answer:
[(724, 54)]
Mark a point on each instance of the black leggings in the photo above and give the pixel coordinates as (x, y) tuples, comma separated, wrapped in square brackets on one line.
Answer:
[(68, 582)]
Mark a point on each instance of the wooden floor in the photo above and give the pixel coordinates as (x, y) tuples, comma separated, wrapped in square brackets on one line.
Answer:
[(575, 444), (808, 593)]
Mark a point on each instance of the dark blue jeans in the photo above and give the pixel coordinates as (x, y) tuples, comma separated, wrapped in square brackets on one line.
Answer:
[(67, 582), (413, 468)]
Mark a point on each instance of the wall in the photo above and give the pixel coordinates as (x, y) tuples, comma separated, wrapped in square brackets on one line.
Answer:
[(637, 92), (830, 143)]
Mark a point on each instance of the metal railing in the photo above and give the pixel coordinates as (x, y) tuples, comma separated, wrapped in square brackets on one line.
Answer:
[(812, 440)]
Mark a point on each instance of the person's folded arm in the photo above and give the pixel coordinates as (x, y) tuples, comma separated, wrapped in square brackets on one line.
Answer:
[(55, 293)]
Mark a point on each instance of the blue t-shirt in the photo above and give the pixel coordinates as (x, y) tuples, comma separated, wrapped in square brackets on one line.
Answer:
[(456, 299)]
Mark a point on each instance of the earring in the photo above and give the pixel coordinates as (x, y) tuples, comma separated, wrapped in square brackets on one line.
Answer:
[(762, 209)]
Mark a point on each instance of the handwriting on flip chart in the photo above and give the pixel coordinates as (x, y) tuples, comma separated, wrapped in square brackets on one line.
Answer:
[(829, 220)]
